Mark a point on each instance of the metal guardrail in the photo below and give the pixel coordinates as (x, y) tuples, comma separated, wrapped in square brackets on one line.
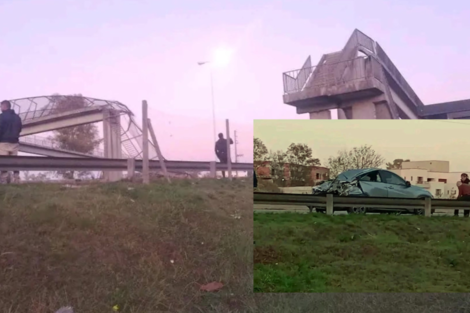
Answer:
[(331, 202), (27, 163)]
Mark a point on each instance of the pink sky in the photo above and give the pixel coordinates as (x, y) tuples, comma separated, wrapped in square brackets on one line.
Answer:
[(134, 50)]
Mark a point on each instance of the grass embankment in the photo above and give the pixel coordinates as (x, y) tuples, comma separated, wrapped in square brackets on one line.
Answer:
[(143, 248), (351, 253), (104, 245)]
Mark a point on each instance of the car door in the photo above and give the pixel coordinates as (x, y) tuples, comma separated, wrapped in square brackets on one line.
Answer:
[(373, 188), (395, 185)]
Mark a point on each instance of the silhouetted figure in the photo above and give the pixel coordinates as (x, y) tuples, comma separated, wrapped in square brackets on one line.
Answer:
[(221, 150), (464, 193), (255, 180), (373, 177), (10, 129)]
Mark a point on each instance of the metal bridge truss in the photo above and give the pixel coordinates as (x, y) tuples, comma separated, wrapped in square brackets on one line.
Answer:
[(36, 109)]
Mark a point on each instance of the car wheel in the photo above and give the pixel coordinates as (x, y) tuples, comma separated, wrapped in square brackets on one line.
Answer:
[(357, 210), (419, 211)]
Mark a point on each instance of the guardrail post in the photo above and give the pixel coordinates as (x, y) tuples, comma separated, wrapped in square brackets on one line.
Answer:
[(130, 168), (229, 158), (329, 204), (427, 207), (157, 149), (213, 171), (145, 144)]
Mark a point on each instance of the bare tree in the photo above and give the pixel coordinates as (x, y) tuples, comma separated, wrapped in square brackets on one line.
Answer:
[(277, 160), (82, 138), (357, 158), (396, 164), (260, 152), (300, 159)]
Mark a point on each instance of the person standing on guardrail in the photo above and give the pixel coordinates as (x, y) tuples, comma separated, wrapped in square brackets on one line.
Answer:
[(10, 129), (464, 193), (221, 150)]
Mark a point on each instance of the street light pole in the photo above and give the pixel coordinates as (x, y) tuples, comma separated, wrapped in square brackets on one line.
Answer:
[(213, 105), (213, 101)]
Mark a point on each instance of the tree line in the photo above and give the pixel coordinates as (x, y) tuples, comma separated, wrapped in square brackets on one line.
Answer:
[(300, 158)]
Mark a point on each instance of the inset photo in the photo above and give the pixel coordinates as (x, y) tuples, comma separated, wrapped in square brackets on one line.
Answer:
[(361, 206)]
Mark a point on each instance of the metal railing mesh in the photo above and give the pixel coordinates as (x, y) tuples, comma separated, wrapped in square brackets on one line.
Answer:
[(39, 107), (297, 80)]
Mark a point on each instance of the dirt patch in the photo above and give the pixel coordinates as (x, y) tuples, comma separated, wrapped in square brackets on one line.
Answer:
[(266, 255), (369, 250)]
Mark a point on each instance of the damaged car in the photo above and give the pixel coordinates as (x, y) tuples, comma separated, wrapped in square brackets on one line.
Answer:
[(371, 182)]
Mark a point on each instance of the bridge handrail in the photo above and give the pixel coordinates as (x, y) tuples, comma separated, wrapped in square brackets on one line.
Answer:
[(48, 143)]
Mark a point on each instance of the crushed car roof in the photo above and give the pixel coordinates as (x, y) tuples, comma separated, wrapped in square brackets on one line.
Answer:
[(350, 175)]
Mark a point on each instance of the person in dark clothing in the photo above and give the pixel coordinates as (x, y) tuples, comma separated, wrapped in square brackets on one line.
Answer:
[(221, 150), (255, 180), (464, 193), (10, 129), (373, 176)]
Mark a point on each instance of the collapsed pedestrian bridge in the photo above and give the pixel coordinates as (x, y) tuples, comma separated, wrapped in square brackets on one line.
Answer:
[(122, 136), (361, 82)]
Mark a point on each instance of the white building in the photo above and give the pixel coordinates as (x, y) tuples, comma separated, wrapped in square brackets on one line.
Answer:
[(432, 175)]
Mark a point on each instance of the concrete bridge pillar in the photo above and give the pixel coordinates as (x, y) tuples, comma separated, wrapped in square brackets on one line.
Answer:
[(343, 114), (322, 115), (112, 141), (363, 110), (368, 108)]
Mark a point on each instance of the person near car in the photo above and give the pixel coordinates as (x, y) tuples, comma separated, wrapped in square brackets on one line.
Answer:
[(221, 150), (255, 180), (10, 129), (464, 192)]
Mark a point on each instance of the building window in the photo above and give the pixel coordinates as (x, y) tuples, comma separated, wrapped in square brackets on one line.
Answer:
[(420, 180), (438, 192), (317, 175), (442, 180), (431, 179), (411, 178)]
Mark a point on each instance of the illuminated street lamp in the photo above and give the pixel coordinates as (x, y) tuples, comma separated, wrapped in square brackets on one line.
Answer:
[(220, 58)]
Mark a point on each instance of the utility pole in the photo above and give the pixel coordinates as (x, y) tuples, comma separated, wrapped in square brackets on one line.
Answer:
[(235, 139)]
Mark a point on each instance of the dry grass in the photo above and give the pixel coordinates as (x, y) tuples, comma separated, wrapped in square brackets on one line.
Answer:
[(143, 248), (267, 186), (105, 245)]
